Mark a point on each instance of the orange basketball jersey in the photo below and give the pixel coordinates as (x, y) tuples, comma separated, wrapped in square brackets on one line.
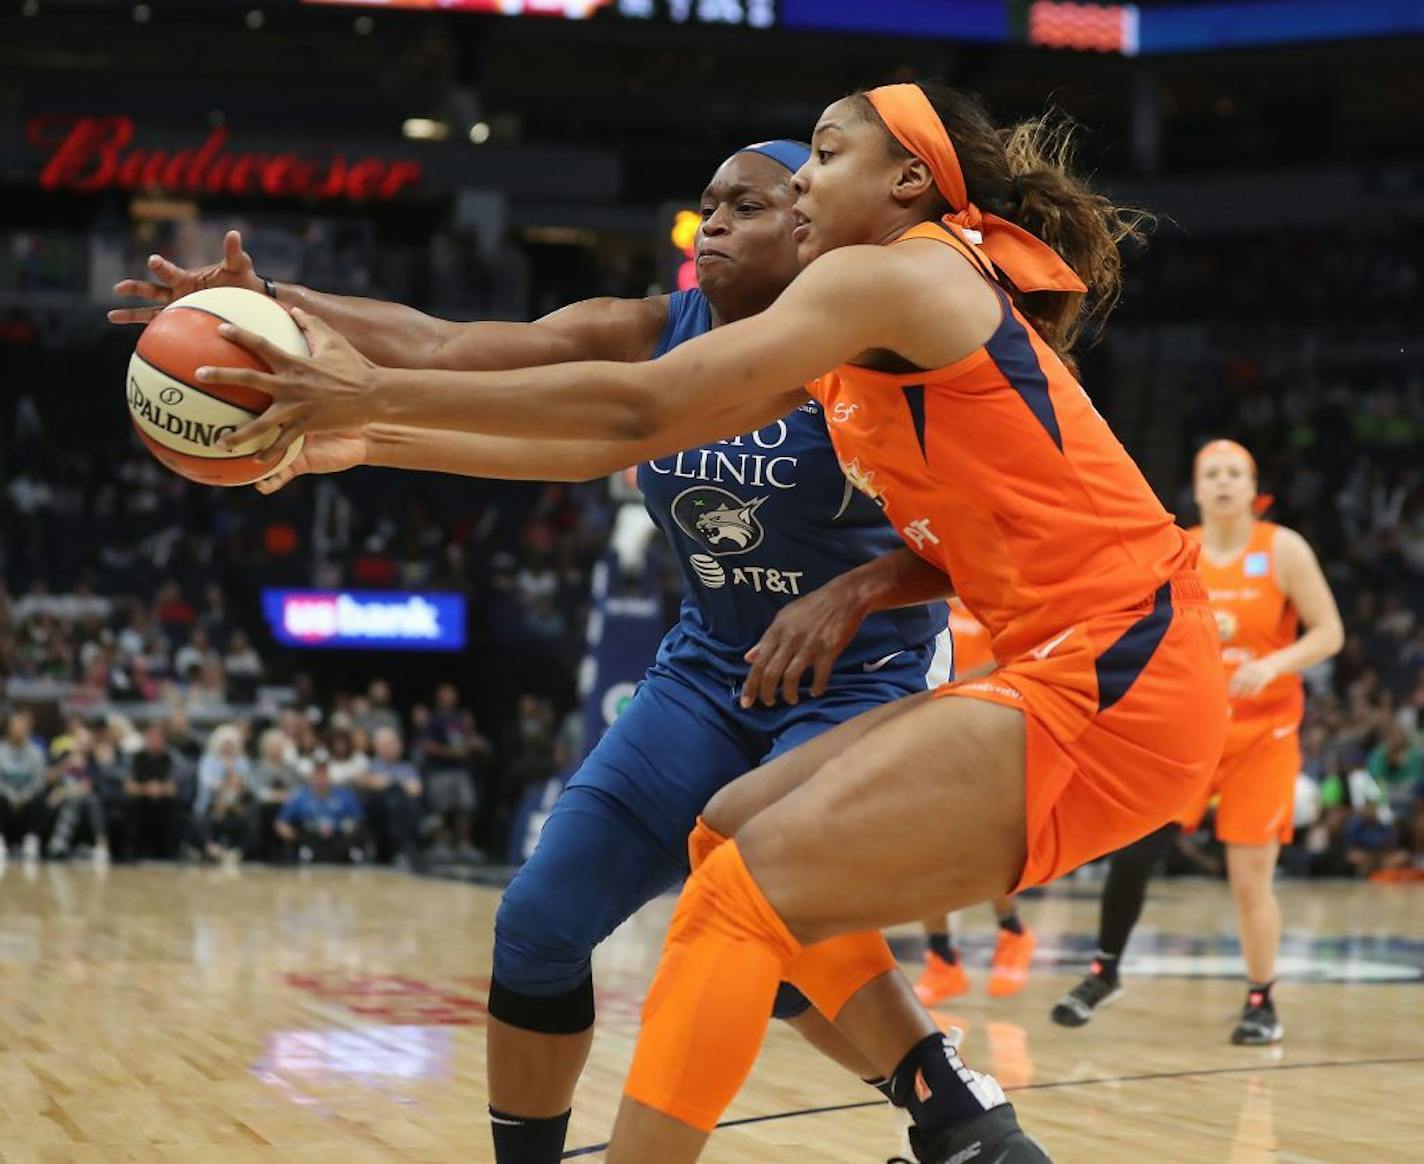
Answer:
[(1255, 619), (971, 638), (998, 470)]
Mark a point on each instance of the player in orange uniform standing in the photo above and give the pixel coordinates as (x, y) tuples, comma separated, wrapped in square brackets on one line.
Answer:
[(1263, 581), (943, 977), (949, 265)]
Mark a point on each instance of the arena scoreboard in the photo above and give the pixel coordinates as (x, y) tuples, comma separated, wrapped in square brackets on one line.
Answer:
[(731, 13), (1148, 28)]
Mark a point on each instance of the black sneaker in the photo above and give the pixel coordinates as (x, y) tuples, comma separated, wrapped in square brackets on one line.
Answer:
[(1259, 1027), (992, 1138), (1076, 1007)]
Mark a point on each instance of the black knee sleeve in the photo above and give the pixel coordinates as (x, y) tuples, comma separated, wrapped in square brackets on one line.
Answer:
[(569, 1013)]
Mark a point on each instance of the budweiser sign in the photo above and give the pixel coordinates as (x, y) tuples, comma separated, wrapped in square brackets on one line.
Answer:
[(97, 153)]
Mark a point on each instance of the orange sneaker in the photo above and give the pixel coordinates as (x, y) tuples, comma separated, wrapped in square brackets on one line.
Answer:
[(1009, 973), (940, 980)]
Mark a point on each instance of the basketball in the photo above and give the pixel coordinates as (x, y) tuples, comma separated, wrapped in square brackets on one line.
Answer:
[(181, 422)]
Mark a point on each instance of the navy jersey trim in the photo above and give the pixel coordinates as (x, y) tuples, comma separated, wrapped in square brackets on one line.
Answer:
[(915, 400), (1119, 666), (1013, 355)]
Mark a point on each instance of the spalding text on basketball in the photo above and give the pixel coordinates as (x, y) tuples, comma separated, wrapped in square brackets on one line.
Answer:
[(155, 414)]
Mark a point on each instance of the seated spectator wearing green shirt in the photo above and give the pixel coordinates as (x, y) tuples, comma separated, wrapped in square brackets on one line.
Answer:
[(1397, 764)]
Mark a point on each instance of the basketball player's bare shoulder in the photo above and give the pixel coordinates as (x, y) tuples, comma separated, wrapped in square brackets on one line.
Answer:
[(609, 328)]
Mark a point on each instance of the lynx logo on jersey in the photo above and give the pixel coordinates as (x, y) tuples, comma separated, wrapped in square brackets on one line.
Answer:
[(719, 521), (724, 525)]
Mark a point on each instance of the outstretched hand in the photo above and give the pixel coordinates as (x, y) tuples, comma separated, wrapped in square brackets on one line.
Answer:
[(332, 390), (171, 281), (324, 452)]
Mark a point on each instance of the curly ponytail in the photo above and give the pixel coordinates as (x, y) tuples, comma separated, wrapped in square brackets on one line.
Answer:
[(1083, 226), (1025, 173)]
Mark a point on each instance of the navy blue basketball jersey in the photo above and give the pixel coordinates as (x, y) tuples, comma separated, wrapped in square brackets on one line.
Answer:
[(758, 520)]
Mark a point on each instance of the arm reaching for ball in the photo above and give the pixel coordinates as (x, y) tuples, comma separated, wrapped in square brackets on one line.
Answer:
[(400, 446), (396, 336), (722, 384), (393, 335)]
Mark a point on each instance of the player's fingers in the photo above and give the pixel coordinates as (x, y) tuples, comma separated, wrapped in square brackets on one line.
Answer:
[(234, 257), (284, 476), (289, 428), (132, 314), (791, 680), (772, 675), (821, 679), (259, 429), (260, 346), (320, 335), (758, 657), (239, 377), (269, 485), (270, 431), (142, 289), (165, 271)]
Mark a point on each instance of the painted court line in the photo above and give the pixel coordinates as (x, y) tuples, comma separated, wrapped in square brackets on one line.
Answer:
[(1261, 1070)]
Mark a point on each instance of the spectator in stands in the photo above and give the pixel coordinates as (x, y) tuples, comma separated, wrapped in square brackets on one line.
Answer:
[(323, 822), (448, 746), (377, 711), (305, 744), (108, 764), (530, 745), (1370, 842), (231, 823), (208, 690), (243, 667), (74, 797), (152, 796), (223, 758), (274, 779), (179, 734), (390, 794), (1397, 765), (347, 765), (172, 610), (214, 619), (193, 656), (22, 786)]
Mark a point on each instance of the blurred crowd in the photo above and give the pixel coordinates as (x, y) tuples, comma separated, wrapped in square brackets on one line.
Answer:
[(126, 586), (353, 781)]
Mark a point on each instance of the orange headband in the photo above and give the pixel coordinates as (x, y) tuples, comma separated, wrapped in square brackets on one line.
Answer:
[(1263, 501), (1030, 262)]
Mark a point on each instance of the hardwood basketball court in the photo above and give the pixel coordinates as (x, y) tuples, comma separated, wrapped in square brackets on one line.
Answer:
[(160, 1014)]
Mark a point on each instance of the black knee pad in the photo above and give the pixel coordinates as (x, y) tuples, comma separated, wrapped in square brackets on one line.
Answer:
[(569, 1013), (790, 1003)]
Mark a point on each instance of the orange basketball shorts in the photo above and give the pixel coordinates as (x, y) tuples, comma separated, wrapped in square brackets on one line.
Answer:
[(1256, 785), (1125, 718)]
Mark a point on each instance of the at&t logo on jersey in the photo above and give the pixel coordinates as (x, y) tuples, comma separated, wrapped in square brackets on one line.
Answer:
[(724, 525)]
